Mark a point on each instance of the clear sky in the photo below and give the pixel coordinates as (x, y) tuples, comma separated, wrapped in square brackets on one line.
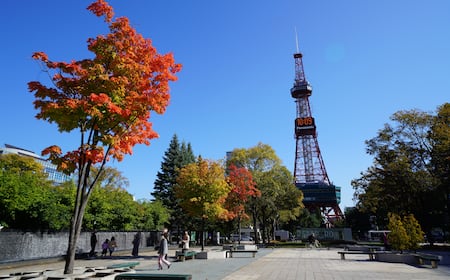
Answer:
[(364, 59)]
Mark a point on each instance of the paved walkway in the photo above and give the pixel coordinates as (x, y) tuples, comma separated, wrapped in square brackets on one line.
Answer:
[(279, 263)]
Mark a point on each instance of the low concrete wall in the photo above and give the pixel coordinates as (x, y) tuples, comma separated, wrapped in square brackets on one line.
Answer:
[(18, 246), (326, 233)]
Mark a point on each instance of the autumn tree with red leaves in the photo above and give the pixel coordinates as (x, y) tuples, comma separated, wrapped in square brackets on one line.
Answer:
[(243, 187), (108, 99)]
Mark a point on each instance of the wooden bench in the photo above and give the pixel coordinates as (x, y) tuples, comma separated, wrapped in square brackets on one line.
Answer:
[(371, 254), (363, 248), (231, 252), (123, 265), (433, 259), (149, 276), (182, 256)]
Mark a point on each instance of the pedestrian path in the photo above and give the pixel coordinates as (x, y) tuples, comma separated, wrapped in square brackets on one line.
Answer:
[(299, 264), (278, 263)]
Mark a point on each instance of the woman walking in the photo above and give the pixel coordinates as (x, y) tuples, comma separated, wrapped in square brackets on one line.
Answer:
[(162, 251)]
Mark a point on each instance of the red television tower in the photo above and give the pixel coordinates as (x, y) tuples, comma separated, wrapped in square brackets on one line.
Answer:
[(309, 170)]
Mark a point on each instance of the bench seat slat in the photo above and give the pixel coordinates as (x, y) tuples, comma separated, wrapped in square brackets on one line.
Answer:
[(370, 254)]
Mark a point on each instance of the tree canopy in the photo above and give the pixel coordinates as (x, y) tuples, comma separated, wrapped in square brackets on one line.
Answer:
[(202, 190), (25, 193), (409, 174), (280, 201), (242, 188), (107, 99), (30, 202)]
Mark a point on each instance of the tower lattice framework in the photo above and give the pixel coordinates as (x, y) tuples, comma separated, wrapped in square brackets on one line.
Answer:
[(309, 169)]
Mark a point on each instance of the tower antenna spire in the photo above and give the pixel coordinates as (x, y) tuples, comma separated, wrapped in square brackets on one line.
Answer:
[(296, 39)]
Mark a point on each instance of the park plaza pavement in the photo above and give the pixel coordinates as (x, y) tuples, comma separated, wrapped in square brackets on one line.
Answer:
[(278, 263)]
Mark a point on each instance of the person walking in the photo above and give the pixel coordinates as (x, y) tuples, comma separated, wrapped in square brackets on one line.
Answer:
[(162, 252), (136, 242), (93, 244)]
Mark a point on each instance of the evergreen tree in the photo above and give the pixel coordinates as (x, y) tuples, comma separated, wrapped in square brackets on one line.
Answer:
[(187, 155), (166, 177), (176, 157)]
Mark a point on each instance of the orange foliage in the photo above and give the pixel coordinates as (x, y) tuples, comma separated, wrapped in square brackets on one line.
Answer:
[(100, 8), (109, 97), (243, 187)]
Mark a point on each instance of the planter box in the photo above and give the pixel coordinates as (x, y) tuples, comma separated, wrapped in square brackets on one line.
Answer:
[(202, 255), (396, 258)]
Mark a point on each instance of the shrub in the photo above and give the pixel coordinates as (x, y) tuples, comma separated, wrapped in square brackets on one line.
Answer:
[(414, 231), (406, 233), (398, 238)]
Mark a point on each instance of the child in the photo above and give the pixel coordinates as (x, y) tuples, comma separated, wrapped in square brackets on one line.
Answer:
[(105, 247), (112, 245)]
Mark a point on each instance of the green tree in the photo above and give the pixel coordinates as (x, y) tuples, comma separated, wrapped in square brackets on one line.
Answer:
[(358, 221), (60, 207), (308, 219), (152, 215), (401, 179), (202, 190), (280, 200), (25, 193), (167, 176), (440, 154), (176, 156), (109, 196), (107, 99)]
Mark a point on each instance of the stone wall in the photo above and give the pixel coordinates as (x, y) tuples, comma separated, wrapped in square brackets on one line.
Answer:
[(18, 246)]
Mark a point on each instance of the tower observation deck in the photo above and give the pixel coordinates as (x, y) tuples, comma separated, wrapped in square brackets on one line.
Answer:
[(309, 169)]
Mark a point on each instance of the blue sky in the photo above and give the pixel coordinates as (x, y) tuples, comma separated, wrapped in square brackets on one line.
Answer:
[(364, 59)]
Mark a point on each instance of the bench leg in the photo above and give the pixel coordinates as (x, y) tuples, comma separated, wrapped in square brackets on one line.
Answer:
[(420, 261), (434, 264), (342, 256)]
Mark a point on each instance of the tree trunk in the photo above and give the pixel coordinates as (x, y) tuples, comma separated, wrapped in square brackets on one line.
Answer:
[(75, 230), (255, 218), (239, 229), (70, 256), (202, 238)]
